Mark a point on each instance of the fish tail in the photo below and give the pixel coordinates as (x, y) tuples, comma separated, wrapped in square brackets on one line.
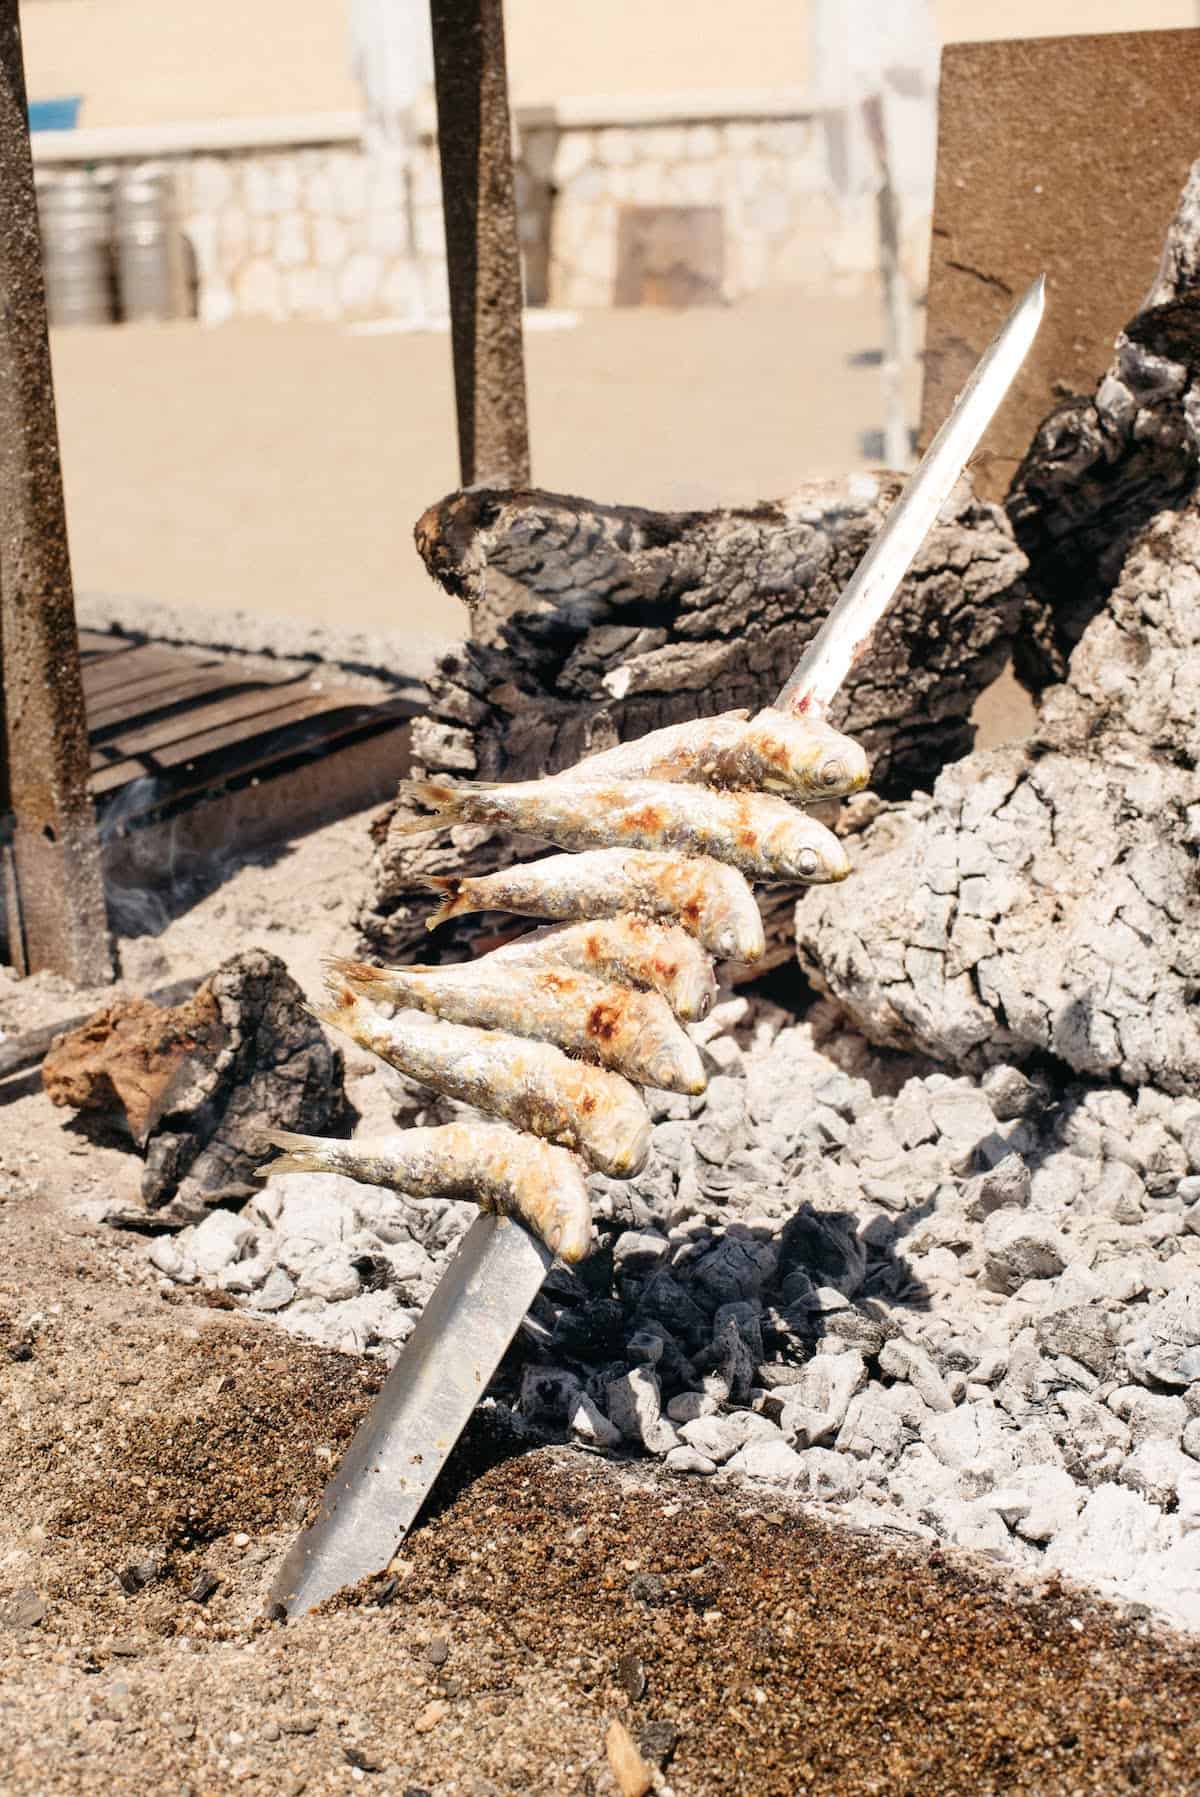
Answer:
[(453, 901), (435, 795), (339, 1012), (356, 976), (301, 1154)]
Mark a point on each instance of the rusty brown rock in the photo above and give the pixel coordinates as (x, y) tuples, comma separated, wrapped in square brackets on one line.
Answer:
[(199, 1085), (122, 1060)]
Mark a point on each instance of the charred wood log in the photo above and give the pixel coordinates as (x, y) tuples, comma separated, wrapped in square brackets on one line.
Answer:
[(1033, 904), (197, 1085), (593, 624), (1099, 468), (1043, 899)]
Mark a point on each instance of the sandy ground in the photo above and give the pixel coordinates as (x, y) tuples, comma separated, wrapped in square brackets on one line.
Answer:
[(280, 469), (156, 1457)]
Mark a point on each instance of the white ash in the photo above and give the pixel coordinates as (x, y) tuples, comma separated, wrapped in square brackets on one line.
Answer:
[(967, 1309)]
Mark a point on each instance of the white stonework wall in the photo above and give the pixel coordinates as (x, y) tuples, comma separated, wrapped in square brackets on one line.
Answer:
[(313, 233), (321, 231)]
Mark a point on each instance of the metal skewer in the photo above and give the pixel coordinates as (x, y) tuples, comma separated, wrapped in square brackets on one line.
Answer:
[(403, 1442)]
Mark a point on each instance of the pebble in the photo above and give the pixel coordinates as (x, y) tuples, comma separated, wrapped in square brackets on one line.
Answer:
[(719, 1437), (635, 1408), (433, 1714), (685, 1459), (634, 1775), (772, 1461)]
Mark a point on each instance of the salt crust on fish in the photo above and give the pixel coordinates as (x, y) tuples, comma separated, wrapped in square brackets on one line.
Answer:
[(711, 901), (773, 751), (532, 1085), (615, 1026), (763, 836), (499, 1168)]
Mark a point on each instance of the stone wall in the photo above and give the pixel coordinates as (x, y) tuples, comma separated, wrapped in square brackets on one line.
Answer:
[(320, 230), (783, 225)]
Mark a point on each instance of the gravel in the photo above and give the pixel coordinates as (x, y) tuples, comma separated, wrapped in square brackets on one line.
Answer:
[(967, 1309)]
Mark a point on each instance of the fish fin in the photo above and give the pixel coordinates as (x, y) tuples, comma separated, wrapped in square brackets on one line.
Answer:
[(298, 1155), (358, 976), (438, 796), (450, 886), (337, 1013)]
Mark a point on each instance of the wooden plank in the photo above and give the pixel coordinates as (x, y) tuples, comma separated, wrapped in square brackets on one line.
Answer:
[(177, 776), (170, 694), (113, 670), (100, 642), (361, 772), (241, 713), (146, 680)]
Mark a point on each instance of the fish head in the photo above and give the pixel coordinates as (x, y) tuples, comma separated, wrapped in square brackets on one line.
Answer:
[(805, 759), (817, 857), (734, 928), (676, 1066), (568, 1227), (694, 990)]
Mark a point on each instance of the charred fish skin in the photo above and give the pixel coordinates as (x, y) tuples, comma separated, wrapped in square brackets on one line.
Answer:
[(761, 835), (712, 901), (532, 1085), (499, 1168), (638, 950), (801, 759), (615, 1026)]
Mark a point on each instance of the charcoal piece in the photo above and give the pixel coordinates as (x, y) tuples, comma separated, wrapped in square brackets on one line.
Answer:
[(824, 1246), (199, 1086)]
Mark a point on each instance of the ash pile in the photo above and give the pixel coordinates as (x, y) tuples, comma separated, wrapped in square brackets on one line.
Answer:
[(927, 1248)]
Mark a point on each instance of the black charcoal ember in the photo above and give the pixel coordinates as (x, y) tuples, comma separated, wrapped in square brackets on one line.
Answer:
[(591, 1332), (825, 1246), (665, 1301)]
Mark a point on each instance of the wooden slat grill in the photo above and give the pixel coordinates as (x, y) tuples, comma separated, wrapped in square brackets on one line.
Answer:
[(166, 726)]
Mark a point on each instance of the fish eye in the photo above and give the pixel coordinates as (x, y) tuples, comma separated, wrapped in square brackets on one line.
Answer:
[(833, 772), (807, 863)]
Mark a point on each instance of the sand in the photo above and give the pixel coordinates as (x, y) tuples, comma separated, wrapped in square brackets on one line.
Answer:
[(279, 469)]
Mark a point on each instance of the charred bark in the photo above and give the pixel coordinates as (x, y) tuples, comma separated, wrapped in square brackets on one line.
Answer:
[(1099, 468), (594, 624)]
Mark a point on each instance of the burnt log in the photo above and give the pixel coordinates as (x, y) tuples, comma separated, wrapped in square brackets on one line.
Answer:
[(1101, 467), (197, 1085), (1043, 899), (593, 624), (1133, 685)]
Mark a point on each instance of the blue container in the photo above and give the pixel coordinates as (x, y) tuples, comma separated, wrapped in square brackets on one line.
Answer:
[(55, 115)]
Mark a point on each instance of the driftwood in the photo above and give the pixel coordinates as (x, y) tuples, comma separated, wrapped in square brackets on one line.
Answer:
[(1033, 905), (595, 624), (197, 1085), (1099, 468), (1043, 900)]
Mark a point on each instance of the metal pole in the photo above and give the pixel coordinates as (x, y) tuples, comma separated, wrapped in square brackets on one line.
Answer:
[(52, 864), (482, 254)]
